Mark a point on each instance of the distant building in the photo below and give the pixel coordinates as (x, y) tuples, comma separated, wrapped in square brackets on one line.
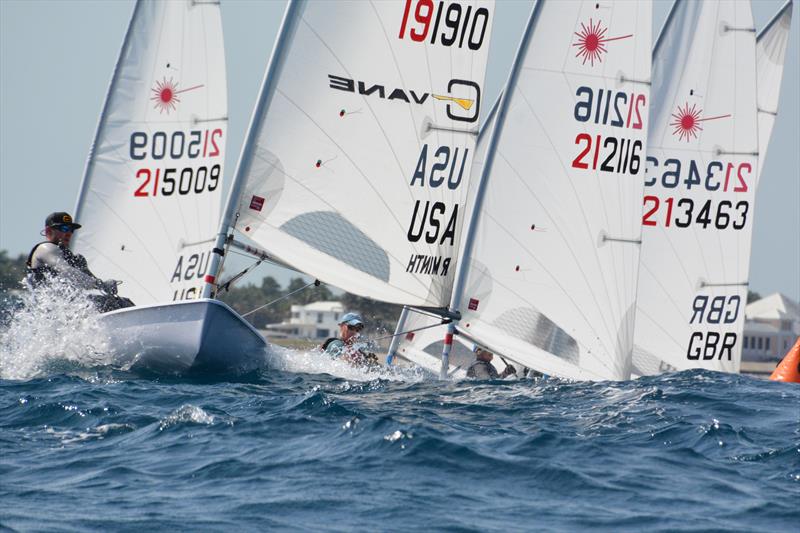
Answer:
[(317, 320), (771, 327)]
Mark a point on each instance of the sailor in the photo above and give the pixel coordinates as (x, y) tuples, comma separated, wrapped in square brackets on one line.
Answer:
[(348, 346), (482, 368), (53, 260)]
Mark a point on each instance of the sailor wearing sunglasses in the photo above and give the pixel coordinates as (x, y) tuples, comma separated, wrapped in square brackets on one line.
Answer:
[(347, 346), (52, 259)]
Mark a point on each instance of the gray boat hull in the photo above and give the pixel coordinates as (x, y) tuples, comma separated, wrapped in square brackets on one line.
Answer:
[(196, 335)]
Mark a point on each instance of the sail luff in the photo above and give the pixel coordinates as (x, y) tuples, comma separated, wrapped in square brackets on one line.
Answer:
[(265, 94), (775, 18), (86, 179), (468, 239), (666, 25), (771, 44)]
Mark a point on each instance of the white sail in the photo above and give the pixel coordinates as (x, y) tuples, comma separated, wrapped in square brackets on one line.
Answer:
[(770, 55), (702, 169), (357, 164), (154, 177), (552, 276), (422, 344)]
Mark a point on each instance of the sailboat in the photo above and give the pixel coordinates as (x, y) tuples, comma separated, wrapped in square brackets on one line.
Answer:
[(150, 197), (355, 168), (702, 172), (550, 259)]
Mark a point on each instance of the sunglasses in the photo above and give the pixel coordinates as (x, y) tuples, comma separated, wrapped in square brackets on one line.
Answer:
[(64, 228), (355, 328)]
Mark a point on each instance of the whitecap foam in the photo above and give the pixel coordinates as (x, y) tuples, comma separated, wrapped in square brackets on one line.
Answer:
[(54, 327), (188, 414), (318, 362)]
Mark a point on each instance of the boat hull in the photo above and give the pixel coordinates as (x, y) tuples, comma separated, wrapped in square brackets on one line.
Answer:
[(197, 335)]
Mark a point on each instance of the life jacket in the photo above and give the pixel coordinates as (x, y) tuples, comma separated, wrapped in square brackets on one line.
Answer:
[(328, 343), (363, 358), (488, 369), (36, 276)]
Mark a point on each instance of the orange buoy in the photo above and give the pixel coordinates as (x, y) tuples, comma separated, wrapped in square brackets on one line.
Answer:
[(789, 369)]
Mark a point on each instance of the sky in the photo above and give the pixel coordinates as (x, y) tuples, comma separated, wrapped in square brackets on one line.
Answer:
[(56, 59)]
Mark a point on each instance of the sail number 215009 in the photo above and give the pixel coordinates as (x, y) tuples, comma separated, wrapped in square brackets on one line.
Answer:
[(189, 158)]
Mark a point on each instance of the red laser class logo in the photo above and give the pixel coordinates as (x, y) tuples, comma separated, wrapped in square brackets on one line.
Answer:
[(687, 121), (165, 94), (592, 42)]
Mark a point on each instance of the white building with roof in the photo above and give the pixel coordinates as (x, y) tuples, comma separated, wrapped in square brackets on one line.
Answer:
[(771, 327), (317, 320)]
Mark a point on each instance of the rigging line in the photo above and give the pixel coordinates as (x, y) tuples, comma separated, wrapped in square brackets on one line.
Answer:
[(316, 282), (227, 285), (586, 223), (444, 322)]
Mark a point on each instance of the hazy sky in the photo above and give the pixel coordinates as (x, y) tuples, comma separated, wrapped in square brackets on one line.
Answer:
[(56, 59)]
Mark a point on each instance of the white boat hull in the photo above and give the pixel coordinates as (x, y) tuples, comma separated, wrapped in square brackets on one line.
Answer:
[(194, 335)]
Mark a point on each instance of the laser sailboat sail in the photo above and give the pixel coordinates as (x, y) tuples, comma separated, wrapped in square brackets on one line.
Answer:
[(702, 169), (154, 176), (770, 55), (418, 338), (150, 198), (356, 166), (551, 279)]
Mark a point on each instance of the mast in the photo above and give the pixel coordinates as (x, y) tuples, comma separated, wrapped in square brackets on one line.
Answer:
[(101, 122), (488, 126), (246, 155), (469, 237)]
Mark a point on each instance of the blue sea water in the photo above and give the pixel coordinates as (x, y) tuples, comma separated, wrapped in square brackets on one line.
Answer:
[(97, 448), (307, 443)]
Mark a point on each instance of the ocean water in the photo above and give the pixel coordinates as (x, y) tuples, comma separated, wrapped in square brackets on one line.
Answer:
[(305, 443)]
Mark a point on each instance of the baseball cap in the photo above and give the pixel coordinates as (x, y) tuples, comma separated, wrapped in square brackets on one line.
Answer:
[(352, 319), (60, 218)]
